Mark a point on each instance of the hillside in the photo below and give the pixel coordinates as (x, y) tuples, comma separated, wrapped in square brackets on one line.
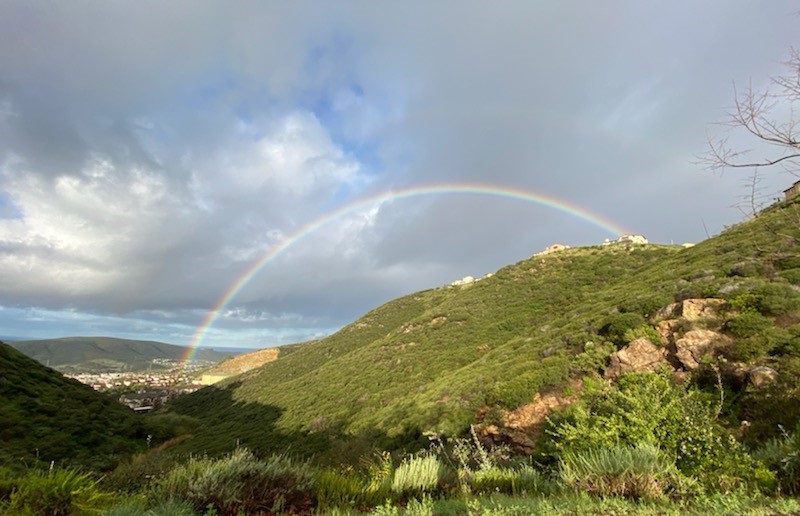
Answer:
[(442, 359), (102, 354), (240, 364), (47, 417)]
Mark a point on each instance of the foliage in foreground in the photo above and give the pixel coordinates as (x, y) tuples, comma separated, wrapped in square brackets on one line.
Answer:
[(241, 483), (646, 411), (53, 492)]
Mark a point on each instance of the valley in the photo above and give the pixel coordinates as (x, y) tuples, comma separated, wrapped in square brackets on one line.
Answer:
[(679, 364)]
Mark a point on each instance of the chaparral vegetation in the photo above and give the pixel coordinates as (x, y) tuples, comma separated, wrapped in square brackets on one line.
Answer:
[(617, 379)]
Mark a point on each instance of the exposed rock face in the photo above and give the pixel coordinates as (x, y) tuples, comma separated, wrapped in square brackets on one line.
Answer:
[(680, 352), (761, 376), (693, 309), (668, 312), (691, 348), (639, 355), (667, 329), (522, 426)]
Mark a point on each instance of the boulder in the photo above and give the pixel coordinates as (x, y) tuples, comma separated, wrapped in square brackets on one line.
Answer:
[(639, 355), (668, 312), (693, 309), (691, 348), (667, 329), (761, 376)]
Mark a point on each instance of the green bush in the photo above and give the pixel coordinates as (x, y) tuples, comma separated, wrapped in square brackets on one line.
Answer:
[(140, 471), (157, 508), (761, 344), (647, 408), (335, 489), (56, 492), (782, 455), (645, 331), (777, 299), (594, 358), (167, 426), (640, 471), (748, 324), (416, 475), (646, 304), (614, 326), (791, 275), (520, 481), (241, 483)]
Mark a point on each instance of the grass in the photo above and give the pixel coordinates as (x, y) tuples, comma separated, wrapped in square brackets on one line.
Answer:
[(636, 472)]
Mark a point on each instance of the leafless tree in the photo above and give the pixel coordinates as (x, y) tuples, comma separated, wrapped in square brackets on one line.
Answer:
[(769, 116)]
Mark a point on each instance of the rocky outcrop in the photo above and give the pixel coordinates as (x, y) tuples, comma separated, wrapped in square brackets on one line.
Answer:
[(761, 376), (694, 309), (667, 329), (691, 309), (678, 351), (690, 349), (639, 355), (521, 427)]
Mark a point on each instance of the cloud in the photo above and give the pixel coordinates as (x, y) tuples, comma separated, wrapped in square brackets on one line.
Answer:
[(151, 153)]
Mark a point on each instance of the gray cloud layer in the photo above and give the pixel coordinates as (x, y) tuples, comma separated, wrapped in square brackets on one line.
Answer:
[(151, 152)]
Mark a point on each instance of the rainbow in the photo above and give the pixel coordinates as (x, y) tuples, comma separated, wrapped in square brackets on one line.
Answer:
[(391, 195)]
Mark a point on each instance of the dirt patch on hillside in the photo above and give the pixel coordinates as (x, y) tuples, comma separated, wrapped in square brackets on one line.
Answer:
[(246, 362), (521, 427)]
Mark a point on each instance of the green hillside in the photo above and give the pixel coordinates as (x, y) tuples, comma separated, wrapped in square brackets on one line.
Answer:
[(442, 359), (102, 354), (47, 417)]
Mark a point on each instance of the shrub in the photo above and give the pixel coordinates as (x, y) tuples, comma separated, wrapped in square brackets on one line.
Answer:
[(760, 345), (56, 492), (167, 426), (241, 483), (335, 489), (648, 408), (747, 324), (520, 481), (640, 471), (140, 471), (158, 508), (594, 358), (791, 275), (645, 305), (416, 475), (782, 455), (645, 331), (615, 326), (777, 298)]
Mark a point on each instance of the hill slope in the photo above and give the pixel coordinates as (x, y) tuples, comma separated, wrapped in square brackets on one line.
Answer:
[(435, 360), (45, 416), (100, 354)]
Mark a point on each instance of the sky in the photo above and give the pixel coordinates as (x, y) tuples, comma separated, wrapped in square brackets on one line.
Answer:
[(198, 172)]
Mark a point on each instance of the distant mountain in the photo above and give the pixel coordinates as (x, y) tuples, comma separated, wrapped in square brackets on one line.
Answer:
[(102, 354), (47, 417)]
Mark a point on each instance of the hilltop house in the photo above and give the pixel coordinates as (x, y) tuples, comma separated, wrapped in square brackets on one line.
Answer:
[(552, 249), (792, 191)]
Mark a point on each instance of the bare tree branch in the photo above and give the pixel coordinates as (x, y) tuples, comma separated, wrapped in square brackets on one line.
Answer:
[(761, 113)]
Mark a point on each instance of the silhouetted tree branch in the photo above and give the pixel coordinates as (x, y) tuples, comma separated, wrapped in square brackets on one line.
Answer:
[(768, 115)]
